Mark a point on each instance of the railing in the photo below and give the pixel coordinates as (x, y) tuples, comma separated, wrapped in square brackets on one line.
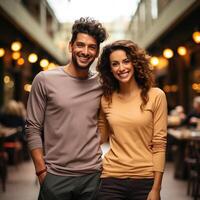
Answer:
[(153, 17)]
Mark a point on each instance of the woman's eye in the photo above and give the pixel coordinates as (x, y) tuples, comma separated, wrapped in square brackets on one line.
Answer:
[(114, 64), (127, 61)]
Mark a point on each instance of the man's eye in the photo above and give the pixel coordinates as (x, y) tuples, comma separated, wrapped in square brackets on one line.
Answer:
[(93, 47), (79, 45)]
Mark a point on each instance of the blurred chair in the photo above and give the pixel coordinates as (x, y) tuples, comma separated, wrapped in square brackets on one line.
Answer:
[(192, 160), (13, 147), (12, 117), (3, 164)]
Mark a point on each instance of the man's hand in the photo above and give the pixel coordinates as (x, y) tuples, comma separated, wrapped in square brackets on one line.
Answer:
[(41, 177)]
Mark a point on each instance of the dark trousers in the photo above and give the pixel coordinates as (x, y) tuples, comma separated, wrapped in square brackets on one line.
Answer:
[(70, 187), (124, 189)]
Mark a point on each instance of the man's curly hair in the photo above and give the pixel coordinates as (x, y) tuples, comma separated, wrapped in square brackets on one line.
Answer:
[(142, 72), (91, 27)]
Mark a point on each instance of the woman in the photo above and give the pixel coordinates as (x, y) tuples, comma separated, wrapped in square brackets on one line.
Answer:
[(133, 118)]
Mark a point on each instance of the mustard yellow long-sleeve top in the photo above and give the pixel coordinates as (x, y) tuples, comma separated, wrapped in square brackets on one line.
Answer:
[(137, 138)]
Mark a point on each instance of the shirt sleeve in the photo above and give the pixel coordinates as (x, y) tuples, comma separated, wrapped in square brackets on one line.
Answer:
[(35, 112), (159, 132), (103, 125)]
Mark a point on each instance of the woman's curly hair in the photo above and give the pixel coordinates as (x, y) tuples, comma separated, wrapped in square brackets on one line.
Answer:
[(91, 27), (142, 72)]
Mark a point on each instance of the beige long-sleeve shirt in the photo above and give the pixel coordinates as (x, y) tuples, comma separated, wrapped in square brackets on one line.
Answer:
[(137, 138)]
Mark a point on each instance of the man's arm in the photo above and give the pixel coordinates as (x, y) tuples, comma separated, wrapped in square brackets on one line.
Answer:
[(36, 108), (37, 156)]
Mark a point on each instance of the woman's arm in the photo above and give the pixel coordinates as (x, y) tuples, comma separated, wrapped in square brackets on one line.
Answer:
[(155, 191), (159, 143)]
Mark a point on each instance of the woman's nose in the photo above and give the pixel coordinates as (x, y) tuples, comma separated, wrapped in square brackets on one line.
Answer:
[(121, 67)]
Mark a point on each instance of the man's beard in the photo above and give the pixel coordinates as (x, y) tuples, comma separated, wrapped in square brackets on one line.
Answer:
[(78, 67)]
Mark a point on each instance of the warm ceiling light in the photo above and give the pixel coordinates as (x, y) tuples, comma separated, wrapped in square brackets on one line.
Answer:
[(167, 88), (196, 86), (20, 61), (44, 63), (16, 46), (32, 58), (163, 63), (27, 87), (154, 61), (196, 37), (10, 84), (51, 66), (6, 79), (2, 52), (174, 88), (182, 51), (168, 53), (16, 55)]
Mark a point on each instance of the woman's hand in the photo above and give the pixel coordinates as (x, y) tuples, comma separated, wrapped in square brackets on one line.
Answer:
[(154, 194)]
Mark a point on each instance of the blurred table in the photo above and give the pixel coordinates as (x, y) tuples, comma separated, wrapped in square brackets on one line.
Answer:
[(182, 136), (8, 131), (184, 133)]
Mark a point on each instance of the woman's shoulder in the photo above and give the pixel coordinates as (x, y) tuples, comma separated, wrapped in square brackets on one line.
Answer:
[(155, 91), (156, 95)]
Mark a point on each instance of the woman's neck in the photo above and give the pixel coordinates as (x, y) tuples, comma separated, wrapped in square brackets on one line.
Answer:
[(129, 89)]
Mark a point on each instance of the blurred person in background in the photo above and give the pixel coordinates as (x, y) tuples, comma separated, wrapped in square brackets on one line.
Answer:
[(22, 110), (11, 115), (176, 116), (62, 117), (13, 123), (133, 118), (193, 118)]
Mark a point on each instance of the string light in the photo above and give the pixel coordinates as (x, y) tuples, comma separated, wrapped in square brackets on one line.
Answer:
[(168, 53), (44, 63), (16, 55), (182, 51), (2, 52), (196, 37), (32, 58), (16, 46)]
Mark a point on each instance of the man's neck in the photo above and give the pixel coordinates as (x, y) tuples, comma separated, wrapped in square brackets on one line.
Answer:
[(72, 71)]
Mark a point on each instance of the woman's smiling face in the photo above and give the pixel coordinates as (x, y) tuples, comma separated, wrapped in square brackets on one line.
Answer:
[(121, 66)]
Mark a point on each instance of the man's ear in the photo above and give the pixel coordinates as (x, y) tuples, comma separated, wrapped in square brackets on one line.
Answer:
[(70, 47), (97, 54)]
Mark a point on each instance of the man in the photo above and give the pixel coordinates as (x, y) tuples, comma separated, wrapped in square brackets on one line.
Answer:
[(62, 120)]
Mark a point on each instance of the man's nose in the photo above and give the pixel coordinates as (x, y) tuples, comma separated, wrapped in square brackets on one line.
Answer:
[(85, 51)]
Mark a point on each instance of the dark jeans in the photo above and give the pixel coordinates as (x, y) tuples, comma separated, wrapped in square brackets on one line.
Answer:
[(124, 189), (70, 187)]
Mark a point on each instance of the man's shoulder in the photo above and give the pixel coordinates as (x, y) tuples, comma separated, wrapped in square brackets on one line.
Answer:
[(48, 73), (52, 72)]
